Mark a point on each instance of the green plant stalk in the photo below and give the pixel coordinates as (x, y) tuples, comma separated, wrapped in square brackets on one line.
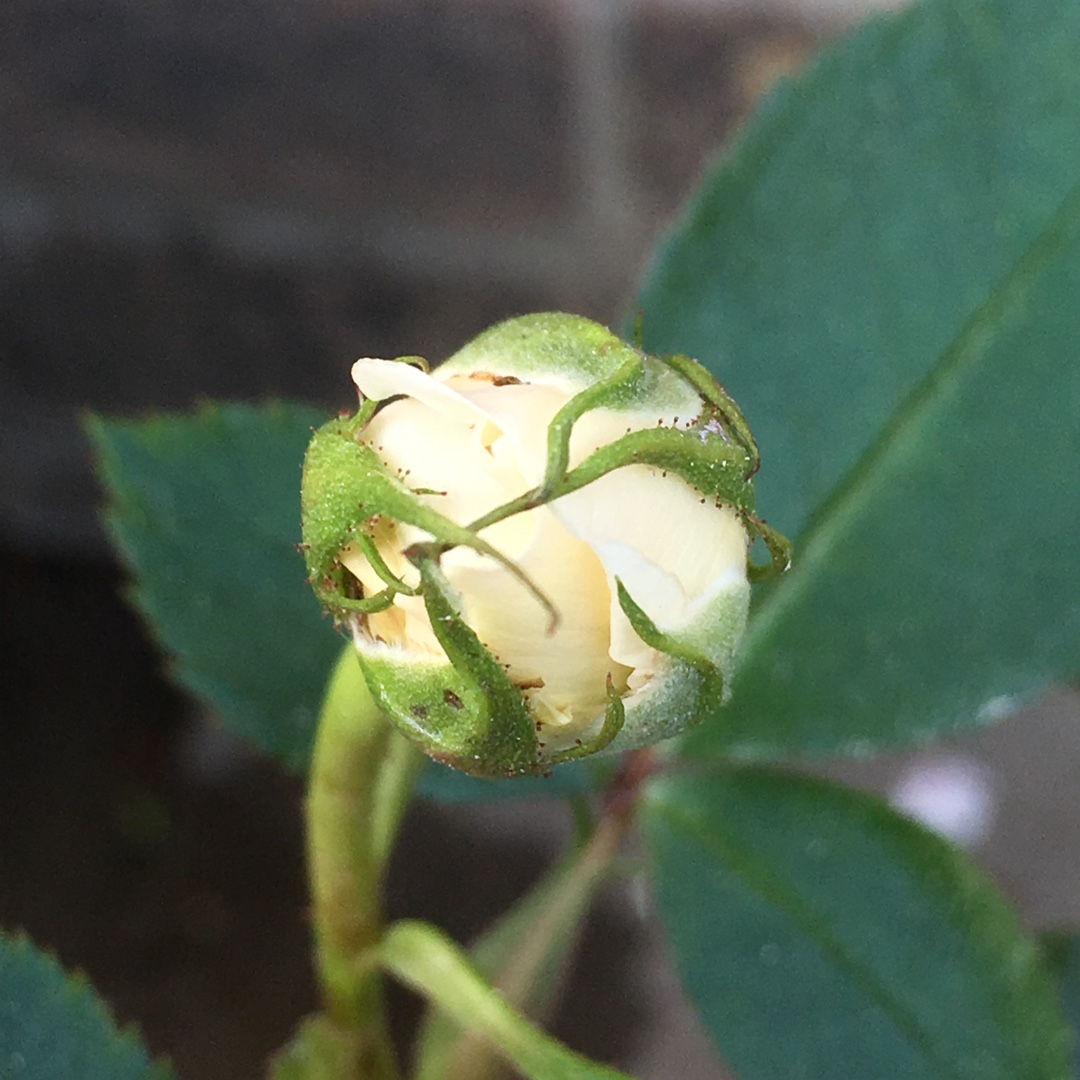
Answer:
[(361, 777), (525, 953), (424, 958)]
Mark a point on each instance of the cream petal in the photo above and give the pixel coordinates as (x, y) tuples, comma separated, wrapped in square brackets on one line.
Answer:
[(381, 379), (666, 520), (523, 412), (429, 449), (574, 660)]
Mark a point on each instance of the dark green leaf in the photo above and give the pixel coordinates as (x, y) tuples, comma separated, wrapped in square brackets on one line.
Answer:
[(448, 785), (884, 272), (206, 509), (871, 208), (1063, 954), (54, 1027), (819, 934)]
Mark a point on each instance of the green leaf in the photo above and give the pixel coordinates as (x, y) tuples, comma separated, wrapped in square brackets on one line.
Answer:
[(820, 934), (443, 784), (54, 1027), (206, 510), (427, 960), (882, 272), (839, 247), (1063, 954)]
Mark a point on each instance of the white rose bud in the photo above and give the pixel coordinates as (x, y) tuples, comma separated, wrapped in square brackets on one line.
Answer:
[(540, 549)]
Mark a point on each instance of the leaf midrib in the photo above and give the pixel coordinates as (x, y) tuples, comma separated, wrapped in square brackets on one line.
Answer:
[(840, 510), (768, 885)]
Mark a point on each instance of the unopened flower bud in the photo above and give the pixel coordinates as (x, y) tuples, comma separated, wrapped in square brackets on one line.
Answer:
[(542, 548)]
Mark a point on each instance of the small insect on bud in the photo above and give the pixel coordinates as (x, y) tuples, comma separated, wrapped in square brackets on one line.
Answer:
[(541, 549)]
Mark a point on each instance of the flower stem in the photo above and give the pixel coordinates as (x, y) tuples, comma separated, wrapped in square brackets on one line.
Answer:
[(361, 778), (524, 956)]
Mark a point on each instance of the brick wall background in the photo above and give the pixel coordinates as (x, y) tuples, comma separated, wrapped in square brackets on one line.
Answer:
[(237, 198)]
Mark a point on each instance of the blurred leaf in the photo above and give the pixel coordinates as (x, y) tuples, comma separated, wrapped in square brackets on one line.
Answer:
[(206, 510), (443, 784), (820, 934), (54, 1027), (863, 217), (883, 272), (1063, 955), (427, 960)]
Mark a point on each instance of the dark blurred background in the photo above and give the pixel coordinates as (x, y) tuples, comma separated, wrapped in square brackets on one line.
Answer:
[(236, 198)]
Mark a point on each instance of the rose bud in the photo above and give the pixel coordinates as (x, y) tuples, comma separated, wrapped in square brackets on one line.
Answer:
[(541, 549)]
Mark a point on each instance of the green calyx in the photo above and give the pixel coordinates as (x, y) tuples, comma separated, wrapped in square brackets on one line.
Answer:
[(462, 707), (711, 446), (466, 712), (345, 493)]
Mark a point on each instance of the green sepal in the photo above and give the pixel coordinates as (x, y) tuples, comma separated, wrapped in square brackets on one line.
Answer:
[(464, 712), (715, 452), (705, 685), (547, 346), (778, 546), (346, 488), (708, 461), (605, 393), (721, 406), (366, 542), (655, 638), (614, 719)]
